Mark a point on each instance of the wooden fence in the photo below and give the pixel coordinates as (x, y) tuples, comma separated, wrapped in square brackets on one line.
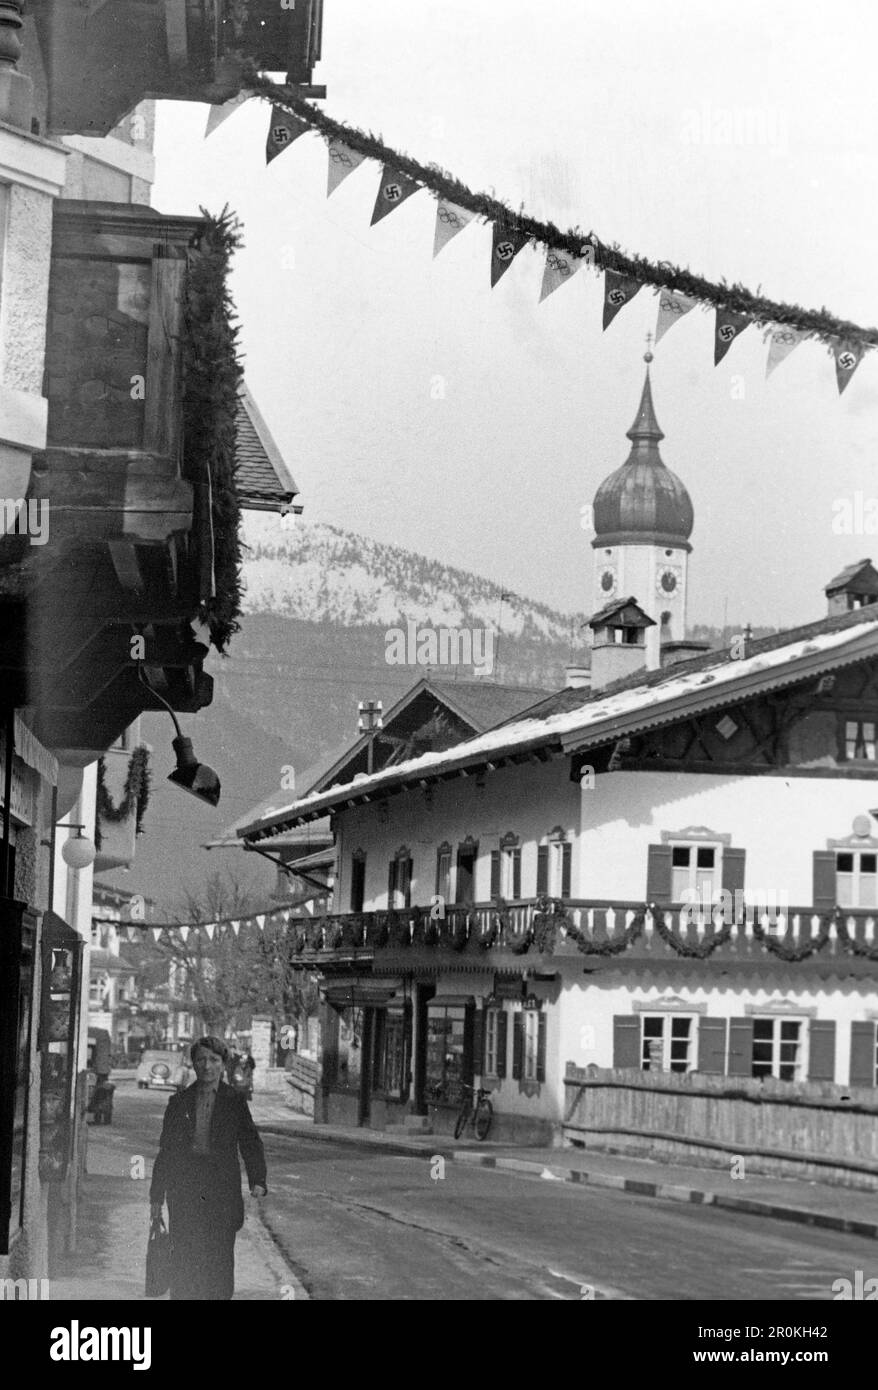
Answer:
[(809, 1129)]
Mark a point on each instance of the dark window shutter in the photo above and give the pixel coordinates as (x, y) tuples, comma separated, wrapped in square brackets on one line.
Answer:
[(658, 874), (407, 881), (824, 891), (712, 1045), (541, 1047), (740, 1047), (517, 1045), (502, 1020), (821, 1050), (439, 876), (391, 882), (495, 873), (566, 861), (542, 870), (862, 1054), (516, 873), (733, 871), (626, 1040), (479, 1041)]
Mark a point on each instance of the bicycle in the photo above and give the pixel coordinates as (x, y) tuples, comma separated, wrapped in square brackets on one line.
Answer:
[(480, 1114)]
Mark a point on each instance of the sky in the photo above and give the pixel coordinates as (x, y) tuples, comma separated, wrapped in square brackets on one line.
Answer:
[(415, 405)]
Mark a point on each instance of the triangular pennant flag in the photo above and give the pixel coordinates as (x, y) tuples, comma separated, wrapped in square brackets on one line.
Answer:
[(236, 927), (783, 340), (342, 161), (156, 934), (184, 934), (561, 266), (130, 934), (217, 114), (282, 131), (618, 289), (672, 306), (260, 921), (210, 928), (450, 219), (728, 327), (505, 245), (848, 357), (394, 188)]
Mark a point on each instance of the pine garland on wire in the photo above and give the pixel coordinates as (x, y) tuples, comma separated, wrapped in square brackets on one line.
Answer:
[(814, 323), (135, 793), (698, 950), (850, 943)]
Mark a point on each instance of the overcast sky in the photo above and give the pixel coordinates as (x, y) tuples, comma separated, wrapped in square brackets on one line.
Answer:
[(609, 117)]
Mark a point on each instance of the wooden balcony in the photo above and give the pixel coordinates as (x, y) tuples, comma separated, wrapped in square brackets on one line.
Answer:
[(595, 930)]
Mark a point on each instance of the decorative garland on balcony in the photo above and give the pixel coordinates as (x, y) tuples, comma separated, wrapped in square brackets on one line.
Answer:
[(589, 947), (850, 943), (794, 953), (699, 950), (212, 377), (135, 794)]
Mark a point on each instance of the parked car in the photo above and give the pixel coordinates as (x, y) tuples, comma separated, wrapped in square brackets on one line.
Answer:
[(164, 1071)]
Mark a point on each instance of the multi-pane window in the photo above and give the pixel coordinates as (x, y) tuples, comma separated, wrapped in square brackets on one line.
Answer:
[(389, 1051), (694, 869), (443, 872), (531, 1044), (446, 1029), (667, 1042), (399, 881), (859, 740), (358, 881), (492, 1041), (777, 1048), (856, 878), (510, 871)]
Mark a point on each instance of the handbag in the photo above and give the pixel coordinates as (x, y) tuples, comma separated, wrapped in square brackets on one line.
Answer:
[(158, 1260)]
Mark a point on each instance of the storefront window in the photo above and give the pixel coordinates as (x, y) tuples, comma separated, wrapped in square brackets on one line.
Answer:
[(390, 1051), (445, 1053), (350, 1047)]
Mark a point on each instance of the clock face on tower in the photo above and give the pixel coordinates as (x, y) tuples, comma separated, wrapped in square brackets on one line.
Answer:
[(667, 580), (607, 581)]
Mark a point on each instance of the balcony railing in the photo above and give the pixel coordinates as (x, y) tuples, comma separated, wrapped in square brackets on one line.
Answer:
[(597, 928)]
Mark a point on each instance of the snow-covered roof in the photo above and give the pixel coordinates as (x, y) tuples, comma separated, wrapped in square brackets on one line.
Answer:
[(602, 717)]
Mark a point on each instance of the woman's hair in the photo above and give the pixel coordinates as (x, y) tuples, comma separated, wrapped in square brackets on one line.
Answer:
[(213, 1044)]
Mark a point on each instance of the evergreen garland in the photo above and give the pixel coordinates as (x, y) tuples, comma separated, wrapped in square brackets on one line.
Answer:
[(815, 323), (851, 944), (135, 793), (212, 377), (697, 950), (794, 953)]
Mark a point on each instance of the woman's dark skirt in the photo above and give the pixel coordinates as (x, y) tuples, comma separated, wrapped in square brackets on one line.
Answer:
[(203, 1230)]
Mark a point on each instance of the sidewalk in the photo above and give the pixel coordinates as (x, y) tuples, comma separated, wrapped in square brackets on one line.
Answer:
[(112, 1234), (785, 1199)]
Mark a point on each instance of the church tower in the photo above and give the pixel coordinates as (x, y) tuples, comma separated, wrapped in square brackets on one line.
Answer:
[(643, 519)]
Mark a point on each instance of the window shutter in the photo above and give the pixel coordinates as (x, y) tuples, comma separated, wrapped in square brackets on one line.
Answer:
[(712, 1045), (626, 1040), (566, 861), (542, 871), (481, 1016), (516, 873), (407, 881), (517, 1045), (862, 1054), (439, 876), (391, 883), (824, 891), (740, 1047), (658, 874), (541, 1047), (821, 1050), (495, 873), (502, 1020), (733, 871)]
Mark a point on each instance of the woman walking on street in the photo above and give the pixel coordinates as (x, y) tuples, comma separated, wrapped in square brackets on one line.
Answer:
[(198, 1170)]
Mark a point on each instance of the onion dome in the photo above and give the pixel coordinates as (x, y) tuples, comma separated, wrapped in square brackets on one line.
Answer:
[(643, 502)]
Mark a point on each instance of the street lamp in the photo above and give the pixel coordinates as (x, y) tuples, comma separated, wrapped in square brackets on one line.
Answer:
[(78, 851), (193, 776)]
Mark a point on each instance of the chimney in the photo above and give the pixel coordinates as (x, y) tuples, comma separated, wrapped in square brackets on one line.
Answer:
[(855, 587), (577, 677), (618, 645)]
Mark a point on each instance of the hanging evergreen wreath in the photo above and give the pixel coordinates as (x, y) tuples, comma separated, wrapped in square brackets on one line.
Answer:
[(698, 950), (794, 953), (135, 794), (589, 947)]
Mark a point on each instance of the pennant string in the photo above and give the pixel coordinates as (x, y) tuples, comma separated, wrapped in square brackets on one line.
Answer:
[(814, 323)]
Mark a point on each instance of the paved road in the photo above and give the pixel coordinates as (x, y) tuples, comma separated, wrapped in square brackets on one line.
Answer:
[(363, 1224)]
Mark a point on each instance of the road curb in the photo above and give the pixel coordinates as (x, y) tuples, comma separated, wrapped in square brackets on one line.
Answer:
[(636, 1186)]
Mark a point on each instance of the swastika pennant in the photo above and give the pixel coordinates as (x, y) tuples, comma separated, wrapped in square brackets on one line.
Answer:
[(848, 356), (283, 129), (394, 188), (506, 242), (729, 326), (618, 289)]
